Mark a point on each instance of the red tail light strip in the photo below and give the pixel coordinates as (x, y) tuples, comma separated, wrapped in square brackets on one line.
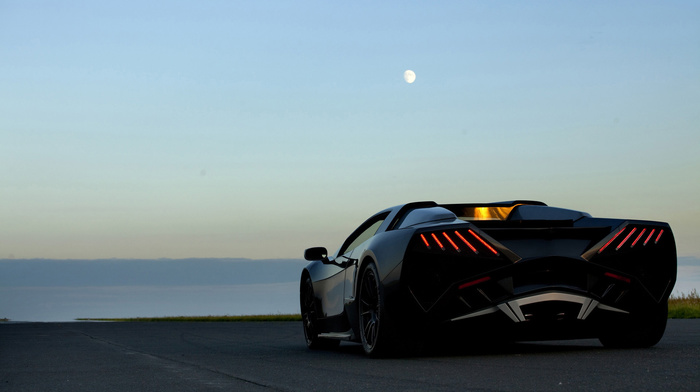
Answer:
[(451, 242), (633, 234), (425, 241), (437, 240), (648, 238), (466, 242), (611, 240), (626, 238), (618, 277), (638, 237), (659, 237), (473, 282), (486, 244)]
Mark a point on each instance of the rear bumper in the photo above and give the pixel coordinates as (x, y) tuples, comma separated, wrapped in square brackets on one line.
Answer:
[(552, 290), (517, 309)]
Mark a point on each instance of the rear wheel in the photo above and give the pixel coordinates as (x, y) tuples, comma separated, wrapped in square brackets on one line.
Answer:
[(638, 332), (375, 330), (310, 319)]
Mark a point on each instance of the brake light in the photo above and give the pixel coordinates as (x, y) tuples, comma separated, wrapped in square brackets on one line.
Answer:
[(638, 237), (659, 237), (425, 241), (466, 242), (484, 242), (438, 241), (473, 282), (633, 234), (611, 240), (648, 238), (457, 240), (618, 277), (451, 242), (626, 238)]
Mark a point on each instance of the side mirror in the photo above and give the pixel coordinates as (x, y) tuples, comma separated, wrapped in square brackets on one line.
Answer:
[(318, 253)]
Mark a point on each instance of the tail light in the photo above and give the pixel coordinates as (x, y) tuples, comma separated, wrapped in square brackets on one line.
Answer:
[(462, 240), (631, 236), (618, 277), (474, 282)]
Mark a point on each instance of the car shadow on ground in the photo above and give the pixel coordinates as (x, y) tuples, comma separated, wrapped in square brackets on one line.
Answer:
[(470, 349)]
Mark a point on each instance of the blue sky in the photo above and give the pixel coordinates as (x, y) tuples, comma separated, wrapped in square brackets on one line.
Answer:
[(257, 129)]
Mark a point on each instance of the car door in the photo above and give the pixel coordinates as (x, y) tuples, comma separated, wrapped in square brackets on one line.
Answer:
[(354, 251), (339, 272)]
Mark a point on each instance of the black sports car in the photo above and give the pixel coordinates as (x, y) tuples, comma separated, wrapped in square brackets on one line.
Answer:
[(520, 269)]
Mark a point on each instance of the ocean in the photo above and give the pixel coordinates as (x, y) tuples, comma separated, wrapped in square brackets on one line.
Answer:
[(69, 303), (63, 290)]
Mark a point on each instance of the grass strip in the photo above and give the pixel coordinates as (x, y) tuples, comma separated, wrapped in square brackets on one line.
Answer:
[(204, 319), (684, 306)]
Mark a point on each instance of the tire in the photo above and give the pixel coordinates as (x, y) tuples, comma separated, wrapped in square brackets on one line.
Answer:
[(310, 319), (638, 332), (375, 328)]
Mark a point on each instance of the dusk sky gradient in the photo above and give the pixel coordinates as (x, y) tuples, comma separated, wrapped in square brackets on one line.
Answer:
[(256, 129)]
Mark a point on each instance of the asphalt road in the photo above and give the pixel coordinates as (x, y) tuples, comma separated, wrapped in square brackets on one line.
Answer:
[(273, 357)]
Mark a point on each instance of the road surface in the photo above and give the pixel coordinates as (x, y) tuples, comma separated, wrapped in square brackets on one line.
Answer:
[(85, 356)]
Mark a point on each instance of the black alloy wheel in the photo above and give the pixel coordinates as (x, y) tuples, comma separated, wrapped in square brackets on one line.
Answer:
[(371, 309), (309, 318)]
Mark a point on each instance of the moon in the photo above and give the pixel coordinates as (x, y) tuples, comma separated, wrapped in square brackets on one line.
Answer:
[(409, 76)]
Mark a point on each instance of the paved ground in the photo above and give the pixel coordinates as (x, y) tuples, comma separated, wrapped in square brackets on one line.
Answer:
[(272, 356)]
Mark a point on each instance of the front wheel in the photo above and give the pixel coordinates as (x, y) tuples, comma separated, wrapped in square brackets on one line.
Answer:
[(310, 319)]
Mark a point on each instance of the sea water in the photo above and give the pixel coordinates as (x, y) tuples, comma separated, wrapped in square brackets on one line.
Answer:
[(70, 303)]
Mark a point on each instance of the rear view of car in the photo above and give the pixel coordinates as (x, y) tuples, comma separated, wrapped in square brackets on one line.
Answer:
[(546, 273), (519, 270)]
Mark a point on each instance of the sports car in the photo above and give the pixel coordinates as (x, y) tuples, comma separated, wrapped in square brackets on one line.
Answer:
[(519, 270)]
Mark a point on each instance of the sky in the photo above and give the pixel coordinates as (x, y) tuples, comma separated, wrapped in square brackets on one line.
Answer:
[(180, 129)]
